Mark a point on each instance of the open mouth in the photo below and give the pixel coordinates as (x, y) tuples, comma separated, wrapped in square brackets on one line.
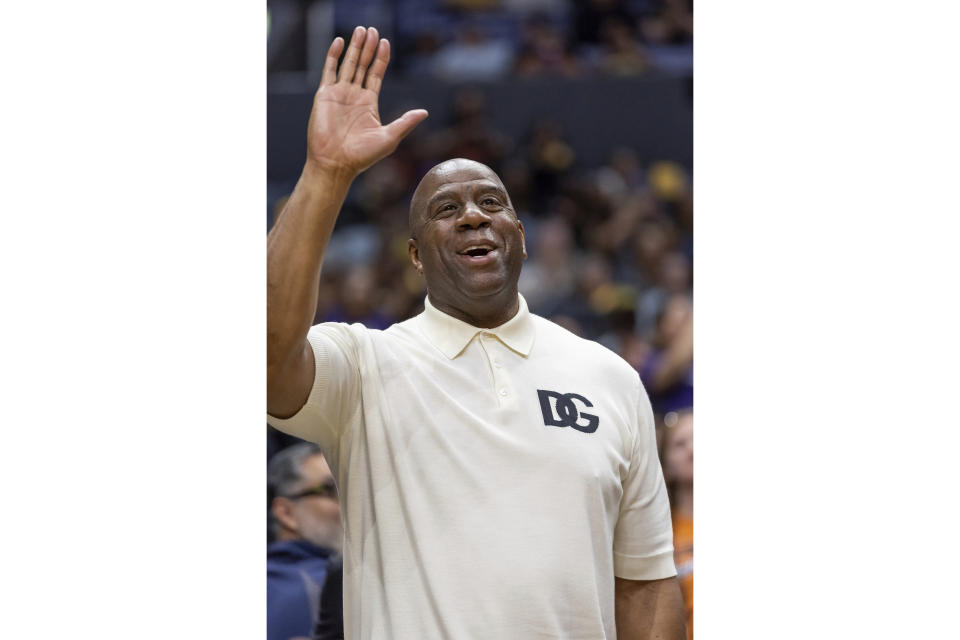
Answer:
[(479, 254)]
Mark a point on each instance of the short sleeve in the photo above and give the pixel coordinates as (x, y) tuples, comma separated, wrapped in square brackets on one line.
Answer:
[(643, 538), (336, 392)]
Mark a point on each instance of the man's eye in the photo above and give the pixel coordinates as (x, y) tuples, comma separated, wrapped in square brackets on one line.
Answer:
[(489, 202)]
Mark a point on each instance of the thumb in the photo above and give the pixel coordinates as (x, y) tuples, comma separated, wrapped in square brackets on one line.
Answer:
[(399, 128)]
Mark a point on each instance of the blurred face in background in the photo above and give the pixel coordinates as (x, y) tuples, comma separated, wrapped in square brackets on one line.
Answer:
[(676, 313), (312, 513), (678, 451), (358, 293)]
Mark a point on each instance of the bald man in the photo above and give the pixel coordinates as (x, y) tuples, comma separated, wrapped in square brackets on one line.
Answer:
[(498, 475)]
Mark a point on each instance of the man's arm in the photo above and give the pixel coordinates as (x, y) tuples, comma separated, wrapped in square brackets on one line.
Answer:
[(344, 137), (649, 609)]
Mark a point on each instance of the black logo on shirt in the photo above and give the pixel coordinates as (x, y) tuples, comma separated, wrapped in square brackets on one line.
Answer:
[(566, 413)]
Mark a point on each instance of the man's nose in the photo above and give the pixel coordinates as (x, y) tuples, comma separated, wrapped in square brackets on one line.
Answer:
[(473, 217)]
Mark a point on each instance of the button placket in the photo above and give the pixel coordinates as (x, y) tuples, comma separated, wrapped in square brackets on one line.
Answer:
[(497, 353)]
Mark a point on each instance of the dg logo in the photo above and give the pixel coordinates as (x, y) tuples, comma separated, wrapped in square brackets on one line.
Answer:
[(563, 412)]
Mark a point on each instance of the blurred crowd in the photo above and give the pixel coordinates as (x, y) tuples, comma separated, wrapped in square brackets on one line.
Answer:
[(610, 245), (487, 39)]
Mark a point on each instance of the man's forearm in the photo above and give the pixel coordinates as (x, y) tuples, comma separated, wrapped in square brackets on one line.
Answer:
[(295, 249), (344, 137), (649, 610)]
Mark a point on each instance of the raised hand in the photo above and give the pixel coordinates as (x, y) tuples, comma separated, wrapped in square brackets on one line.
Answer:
[(345, 134)]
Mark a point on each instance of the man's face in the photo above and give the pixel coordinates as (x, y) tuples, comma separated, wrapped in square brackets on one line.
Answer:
[(467, 240), (317, 515)]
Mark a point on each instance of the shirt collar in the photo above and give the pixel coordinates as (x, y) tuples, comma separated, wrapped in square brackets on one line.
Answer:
[(451, 336)]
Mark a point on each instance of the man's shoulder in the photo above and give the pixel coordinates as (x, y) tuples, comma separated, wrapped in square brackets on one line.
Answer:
[(554, 338), (361, 335), (360, 330)]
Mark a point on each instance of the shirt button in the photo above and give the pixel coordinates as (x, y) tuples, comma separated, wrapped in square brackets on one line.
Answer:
[(496, 363), (503, 392)]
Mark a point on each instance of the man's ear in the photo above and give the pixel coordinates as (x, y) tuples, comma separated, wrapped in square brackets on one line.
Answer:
[(414, 254), (523, 238), (283, 511)]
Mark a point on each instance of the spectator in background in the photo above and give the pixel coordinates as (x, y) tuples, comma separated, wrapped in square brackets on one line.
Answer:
[(593, 14), (473, 56), (622, 53), (358, 300), (518, 180), (420, 53), (655, 236), (550, 273), (306, 520), (677, 461), (674, 276), (671, 24), (544, 51), (581, 311), (668, 372), (615, 235), (378, 192), (551, 157), (670, 185), (621, 176), (470, 133)]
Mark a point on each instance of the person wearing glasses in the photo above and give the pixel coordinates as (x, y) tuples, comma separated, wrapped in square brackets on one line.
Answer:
[(305, 519)]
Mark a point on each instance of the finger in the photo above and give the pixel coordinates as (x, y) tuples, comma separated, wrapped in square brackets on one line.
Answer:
[(353, 54), (366, 55), (379, 67), (399, 128), (330, 64)]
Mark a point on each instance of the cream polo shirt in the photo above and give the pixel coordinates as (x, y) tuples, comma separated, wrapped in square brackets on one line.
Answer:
[(492, 481)]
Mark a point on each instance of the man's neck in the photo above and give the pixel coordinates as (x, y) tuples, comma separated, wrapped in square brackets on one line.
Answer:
[(485, 313)]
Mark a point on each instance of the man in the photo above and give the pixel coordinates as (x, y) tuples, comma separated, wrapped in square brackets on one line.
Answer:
[(499, 475), (306, 523)]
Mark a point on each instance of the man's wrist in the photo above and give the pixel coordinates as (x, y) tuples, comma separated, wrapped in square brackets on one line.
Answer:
[(327, 174)]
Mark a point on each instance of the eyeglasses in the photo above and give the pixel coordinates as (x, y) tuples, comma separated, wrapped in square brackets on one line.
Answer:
[(326, 490)]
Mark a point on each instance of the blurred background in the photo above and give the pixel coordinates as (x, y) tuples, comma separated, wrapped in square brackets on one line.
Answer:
[(584, 108)]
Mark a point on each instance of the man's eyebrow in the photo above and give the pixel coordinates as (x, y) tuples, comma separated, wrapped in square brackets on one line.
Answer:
[(439, 195), (446, 193), (500, 191)]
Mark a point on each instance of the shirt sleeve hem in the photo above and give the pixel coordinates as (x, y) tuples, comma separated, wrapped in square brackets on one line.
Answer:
[(644, 568), (320, 381)]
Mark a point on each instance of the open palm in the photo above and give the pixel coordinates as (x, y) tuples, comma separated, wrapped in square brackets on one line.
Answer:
[(345, 132)]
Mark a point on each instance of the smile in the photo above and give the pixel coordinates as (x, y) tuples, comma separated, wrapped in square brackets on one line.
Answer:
[(478, 254)]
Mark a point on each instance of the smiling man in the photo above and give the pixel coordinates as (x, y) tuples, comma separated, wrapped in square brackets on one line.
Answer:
[(466, 240), (498, 475)]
